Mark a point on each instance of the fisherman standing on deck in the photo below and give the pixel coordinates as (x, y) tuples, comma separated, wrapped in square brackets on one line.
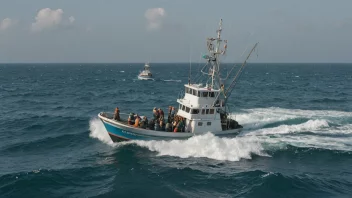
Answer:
[(161, 114), (169, 114), (131, 119), (172, 115), (155, 113), (138, 119), (117, 114)]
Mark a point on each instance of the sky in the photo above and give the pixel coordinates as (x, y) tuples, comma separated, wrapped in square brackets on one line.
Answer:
[(129, 31)]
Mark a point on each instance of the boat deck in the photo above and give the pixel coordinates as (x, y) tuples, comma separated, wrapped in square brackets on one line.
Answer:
[(124, 118)]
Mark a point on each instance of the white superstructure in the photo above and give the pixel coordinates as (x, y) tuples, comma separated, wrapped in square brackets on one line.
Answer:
[(146, 74), (204, 102)]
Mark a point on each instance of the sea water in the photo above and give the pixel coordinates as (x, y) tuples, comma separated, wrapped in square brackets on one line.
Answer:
[(296, 141)]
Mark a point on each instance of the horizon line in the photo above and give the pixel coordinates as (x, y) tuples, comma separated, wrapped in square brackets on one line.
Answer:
[(172, 63)]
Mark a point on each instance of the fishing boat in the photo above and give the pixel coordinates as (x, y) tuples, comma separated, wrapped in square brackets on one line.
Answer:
[(146, 74), (202, 106)]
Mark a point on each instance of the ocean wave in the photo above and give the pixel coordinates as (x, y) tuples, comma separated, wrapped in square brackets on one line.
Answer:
[(44, 143), (259, 117), (209, 146), (310, 125), (328, 100), (98, 131), (76, 182), (292, 185), (171, 80), (307, 141)]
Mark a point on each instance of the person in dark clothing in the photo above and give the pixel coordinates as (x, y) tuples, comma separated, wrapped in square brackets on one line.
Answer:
[(155, 113), (172, 114), (162, 125), (151, 125), (168, 127), (161, 114), (169, 115), (131, 119), (117, 114), (143, 123)]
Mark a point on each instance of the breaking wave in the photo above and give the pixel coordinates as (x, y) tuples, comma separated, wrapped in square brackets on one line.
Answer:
[(309, 126), (207, 145), (260, 117), (98, 131)]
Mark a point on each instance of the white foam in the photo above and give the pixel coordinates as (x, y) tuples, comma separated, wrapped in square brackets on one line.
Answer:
[(259, 117), (321, 122), (98, 131), (310, 125), (308, 141), (209, 146), (345, 129), (171, 80)]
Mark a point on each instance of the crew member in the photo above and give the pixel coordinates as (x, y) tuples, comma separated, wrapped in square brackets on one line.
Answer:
[(117, 114)]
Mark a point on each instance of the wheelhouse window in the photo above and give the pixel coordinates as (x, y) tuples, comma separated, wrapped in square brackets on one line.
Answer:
[(211, 94), (200, 123), (203, 111), (183, 108), (194, 111), (207, 111), (211, 111), (208, 123), (205, 94), (194, 92), (187, 109)]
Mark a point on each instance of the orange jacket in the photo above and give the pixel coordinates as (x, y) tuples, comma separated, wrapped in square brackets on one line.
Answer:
[(136, 123)]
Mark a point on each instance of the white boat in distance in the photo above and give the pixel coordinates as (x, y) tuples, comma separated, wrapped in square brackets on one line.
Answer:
[(202, 107), (146, 74)]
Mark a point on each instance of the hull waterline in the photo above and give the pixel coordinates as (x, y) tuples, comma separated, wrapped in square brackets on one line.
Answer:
[(145, 78)]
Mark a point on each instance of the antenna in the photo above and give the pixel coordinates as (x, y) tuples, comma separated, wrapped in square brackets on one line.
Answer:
[(190, 66)]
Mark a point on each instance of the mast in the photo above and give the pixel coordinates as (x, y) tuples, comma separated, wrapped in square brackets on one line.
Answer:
[(190, 68), (215, 54)]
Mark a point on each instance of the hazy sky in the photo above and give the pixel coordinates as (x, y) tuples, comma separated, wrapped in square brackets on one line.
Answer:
[(173, 30)]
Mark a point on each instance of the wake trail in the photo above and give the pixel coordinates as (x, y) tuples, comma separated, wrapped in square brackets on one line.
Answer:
[(209, 146)]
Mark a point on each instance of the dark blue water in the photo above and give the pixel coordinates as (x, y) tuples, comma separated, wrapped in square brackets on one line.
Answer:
[(297, 140)]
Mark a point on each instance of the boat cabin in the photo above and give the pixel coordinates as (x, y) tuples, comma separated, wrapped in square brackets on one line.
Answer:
[(201, 108)]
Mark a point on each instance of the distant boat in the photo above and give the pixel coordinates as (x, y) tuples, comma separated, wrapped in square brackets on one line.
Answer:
[(146, 74), (202, 108)]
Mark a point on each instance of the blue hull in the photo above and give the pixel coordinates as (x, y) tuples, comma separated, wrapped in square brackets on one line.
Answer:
[(118, 135)]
